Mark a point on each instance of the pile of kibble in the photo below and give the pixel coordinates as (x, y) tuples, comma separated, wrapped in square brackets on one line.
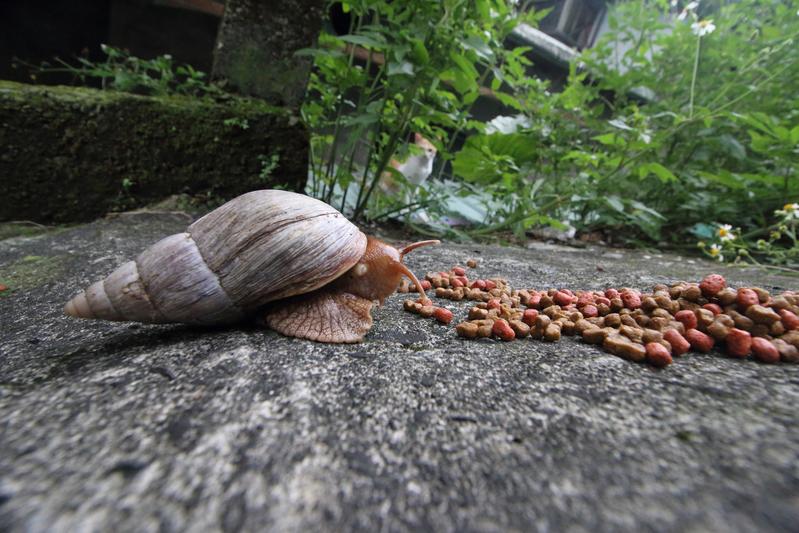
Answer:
[(643, 327)]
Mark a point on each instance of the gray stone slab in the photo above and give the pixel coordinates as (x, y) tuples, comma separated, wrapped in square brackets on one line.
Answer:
[(114, 426)]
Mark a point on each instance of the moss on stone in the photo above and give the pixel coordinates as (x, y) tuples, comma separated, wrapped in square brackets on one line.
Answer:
[(31, 271), (72, 154)]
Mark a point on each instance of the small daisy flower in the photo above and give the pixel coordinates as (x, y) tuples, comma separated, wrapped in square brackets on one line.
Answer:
[(715, 252), (703, 27), (725, 232), (789, 211)]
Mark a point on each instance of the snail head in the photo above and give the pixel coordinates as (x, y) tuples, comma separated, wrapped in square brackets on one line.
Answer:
[(380, 270)]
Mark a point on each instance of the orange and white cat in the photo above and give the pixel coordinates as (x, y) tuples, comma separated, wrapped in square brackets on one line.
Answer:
[(416, 168)]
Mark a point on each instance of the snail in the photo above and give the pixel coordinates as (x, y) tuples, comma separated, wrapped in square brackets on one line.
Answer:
[(292, 261)]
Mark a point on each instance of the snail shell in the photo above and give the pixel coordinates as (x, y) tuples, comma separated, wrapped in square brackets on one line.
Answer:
[(260, 247)]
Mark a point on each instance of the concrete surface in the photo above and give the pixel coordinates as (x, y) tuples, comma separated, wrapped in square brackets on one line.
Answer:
[(116, 426)]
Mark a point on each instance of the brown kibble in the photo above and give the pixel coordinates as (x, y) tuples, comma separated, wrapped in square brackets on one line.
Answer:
[(471, 263), (613, 320), (651, 335), (567, 327), (648, 303), (788, 352), (628, 320), (595, 335), (704, 318), (762, 294), (692, 293), (519, 328), (552, 332), (741, 321), (485, 330), (581, 325), (623, 347), (632, 333), (762, 315), (659, 323), (776, 329), (467, 330), (727, 296), (426, 311), (719, 329)]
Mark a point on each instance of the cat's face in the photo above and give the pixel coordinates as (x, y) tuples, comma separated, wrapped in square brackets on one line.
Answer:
[(428, 147)]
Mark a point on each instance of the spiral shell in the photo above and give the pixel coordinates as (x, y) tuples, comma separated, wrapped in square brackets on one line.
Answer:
[(257, 248)]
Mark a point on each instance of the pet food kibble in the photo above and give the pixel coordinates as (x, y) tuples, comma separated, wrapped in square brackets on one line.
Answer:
[(563, 298), (712, 285), (746, 297), (692, 293), (624, 347), (679, 344), (529, 316), (704, 318), (426, 311), (688, 318), (519, 328), (471, 263), (456, 283), (459, 271), (467, 330), (485, 330), (651, 335), (699, 341), (442, 315), (719, 329), (762, 315), (765, 351), (590, 310), (552, 332), (776, 329), (713, 308), (762, 294), (741, 321), (789, 319), (503, 330), (788, 352), (631, 300), (739, 343), (490, 284), (657, 355), (727, 296), (634, 334)]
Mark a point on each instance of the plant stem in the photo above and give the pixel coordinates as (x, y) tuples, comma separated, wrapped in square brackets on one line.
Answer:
[(693, 76)]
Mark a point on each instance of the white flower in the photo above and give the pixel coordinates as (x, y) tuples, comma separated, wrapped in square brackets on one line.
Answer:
[(703, 27), (507, 124), (789, 211), (646, 136), (725, 232), (715, 252), (688, 10)]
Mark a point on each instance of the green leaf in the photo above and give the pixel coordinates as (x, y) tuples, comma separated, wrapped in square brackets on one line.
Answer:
[(662, 172), (795, 135), (374, 41)]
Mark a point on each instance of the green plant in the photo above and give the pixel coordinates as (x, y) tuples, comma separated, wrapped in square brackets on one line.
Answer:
[(715, 139), (424, 65), (121, 71), (237, 122), (268, 165)]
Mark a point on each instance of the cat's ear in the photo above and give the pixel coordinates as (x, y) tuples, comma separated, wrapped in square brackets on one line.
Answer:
[(418, 138)]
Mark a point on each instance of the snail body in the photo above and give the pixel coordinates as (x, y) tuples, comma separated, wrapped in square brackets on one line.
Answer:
[(291, 260)]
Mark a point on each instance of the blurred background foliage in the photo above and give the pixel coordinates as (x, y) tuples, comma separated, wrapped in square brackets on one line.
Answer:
[(681, 120)]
